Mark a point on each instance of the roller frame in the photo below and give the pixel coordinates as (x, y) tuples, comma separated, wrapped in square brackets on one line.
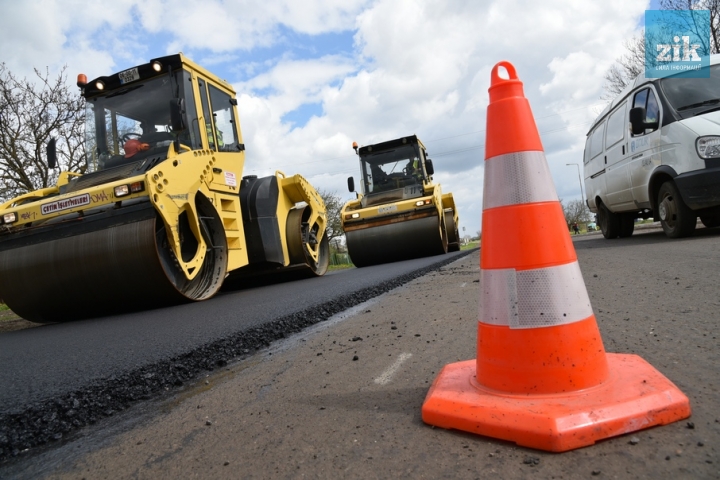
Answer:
[(296, 189), (192, 207), (169, 192), (377, 236)]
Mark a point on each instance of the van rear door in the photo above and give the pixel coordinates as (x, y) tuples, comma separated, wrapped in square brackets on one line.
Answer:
[(594, 166)]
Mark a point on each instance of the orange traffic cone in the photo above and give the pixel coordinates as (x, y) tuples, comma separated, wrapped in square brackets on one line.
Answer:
[(542, 378)]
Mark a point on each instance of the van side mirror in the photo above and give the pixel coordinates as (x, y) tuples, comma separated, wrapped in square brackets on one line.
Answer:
[(637, 120), (351, 184), (51, 153), (429, 167), (638, 123), (177, 115)]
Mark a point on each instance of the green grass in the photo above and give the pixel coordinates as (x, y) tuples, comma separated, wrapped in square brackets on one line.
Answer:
[(340, 267), (3, 307), (470, 245)]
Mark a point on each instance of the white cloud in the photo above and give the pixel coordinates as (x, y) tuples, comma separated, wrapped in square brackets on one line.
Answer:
[(231, 25), (296, 82), (420, 66), (425, 69)]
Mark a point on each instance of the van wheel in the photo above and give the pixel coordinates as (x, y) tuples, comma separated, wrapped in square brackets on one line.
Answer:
[(609, 222), (627, 225), (676, 218)]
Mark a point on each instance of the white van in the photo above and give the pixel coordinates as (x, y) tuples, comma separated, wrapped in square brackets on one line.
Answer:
[(655, 152)]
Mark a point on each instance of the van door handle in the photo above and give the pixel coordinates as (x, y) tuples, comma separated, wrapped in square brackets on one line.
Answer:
[(606, 160), (623, 150)]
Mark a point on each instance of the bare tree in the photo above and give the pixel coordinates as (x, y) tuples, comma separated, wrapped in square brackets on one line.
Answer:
[(713, 6), (575, 211), (333, 205), (632, 63), (628, 66), (31, 113)]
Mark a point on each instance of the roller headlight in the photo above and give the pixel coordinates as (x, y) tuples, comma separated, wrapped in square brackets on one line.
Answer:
[(9, 218), (122, 190), (708, 147)]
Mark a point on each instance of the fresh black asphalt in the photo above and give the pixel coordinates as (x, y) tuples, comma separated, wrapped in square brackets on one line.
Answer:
[(58, 378)]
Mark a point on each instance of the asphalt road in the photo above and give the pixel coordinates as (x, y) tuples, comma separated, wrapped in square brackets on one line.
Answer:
[(137, 356), (342, 399)]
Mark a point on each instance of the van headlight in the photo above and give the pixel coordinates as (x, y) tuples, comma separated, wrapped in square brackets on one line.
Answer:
[(708, 147)]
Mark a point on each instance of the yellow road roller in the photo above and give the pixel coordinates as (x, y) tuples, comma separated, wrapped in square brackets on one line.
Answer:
[(399, 212), (161, 213)]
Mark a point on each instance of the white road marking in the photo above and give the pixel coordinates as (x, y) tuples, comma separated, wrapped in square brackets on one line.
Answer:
[(387, 375), (463, 285)]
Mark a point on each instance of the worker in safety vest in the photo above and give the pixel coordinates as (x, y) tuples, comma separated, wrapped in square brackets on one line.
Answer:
[(413, 168)]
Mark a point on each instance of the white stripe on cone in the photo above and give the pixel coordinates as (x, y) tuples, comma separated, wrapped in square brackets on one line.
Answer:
[(516, 178), (542, 297)]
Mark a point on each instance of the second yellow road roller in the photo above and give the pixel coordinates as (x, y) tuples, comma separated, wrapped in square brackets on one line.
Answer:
[(161, 213), (399, 213)]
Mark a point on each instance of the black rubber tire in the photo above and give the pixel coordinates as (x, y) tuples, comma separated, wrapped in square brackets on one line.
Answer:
[(627, 225), (444, 240), (609, 222), (453, 233), (321, 267), (298, 250), (676, 218)]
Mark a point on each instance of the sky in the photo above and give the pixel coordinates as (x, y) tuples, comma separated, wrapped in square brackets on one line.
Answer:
[(314, 76)]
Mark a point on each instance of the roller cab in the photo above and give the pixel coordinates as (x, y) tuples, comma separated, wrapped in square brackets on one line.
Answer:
[(158, 214), (399, 212)]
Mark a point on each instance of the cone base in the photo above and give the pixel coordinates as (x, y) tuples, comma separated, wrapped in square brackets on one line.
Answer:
[(635, 396)]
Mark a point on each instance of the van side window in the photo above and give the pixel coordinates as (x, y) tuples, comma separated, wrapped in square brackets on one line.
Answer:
[(596, 141), (652, 112), (641, 98), (616, 127), (646, 98)]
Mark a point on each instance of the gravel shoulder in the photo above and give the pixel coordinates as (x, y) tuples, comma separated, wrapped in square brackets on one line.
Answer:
[(342, 399), (9, 322)]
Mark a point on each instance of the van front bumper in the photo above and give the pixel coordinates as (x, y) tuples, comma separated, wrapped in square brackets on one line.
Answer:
[(700, 188)]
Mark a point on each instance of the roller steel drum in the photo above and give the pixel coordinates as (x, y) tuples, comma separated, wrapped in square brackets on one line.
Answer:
[(391, 242), (452, 232), (116, 262)]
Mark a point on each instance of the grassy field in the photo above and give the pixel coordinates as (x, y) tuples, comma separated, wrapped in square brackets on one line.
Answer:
[(340, 267), (470, 245)]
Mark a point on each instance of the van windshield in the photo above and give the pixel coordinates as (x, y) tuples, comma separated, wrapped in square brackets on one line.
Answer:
[(693, 96)]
